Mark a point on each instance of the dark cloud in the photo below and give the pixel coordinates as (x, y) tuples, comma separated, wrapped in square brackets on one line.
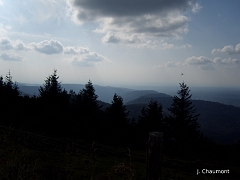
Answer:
[(10, 57), (93, 9), (48, 47), (134, 21)]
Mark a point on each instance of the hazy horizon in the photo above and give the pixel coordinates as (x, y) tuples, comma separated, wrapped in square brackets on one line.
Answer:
[(137, 87)]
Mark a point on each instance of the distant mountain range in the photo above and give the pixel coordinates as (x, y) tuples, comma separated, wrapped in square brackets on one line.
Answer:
[(105, 93), (220, 122), (222, 95)]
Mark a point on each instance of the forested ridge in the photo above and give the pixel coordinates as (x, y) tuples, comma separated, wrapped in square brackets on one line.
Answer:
[(60, 114)]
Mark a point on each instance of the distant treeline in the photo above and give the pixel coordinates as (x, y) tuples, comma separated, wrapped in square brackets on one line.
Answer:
[(79, 115)]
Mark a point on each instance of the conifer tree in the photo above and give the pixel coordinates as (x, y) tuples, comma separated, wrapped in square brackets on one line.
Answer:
[(54, 105), (117, 121), (89, 112), (151, 118), (11, 89), (183, 119), (1, 86), (9, 100), (117, 113), (52, 89), (88, 99)]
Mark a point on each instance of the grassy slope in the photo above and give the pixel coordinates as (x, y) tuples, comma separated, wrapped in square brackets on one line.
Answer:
[(28, 156)]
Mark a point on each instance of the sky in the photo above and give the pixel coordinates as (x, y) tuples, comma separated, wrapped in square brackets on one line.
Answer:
[(122, 42)]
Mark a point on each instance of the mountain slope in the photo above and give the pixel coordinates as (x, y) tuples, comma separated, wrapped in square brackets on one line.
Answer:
[(218, 121), (131, 95)]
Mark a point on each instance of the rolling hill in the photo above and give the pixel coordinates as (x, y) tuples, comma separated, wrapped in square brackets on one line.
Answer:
[(219, 122)]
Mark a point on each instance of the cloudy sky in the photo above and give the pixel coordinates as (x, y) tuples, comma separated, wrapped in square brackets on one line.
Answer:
[(122, 42)]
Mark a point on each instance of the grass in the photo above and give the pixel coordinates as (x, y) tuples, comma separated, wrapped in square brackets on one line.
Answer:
[(29, 156)]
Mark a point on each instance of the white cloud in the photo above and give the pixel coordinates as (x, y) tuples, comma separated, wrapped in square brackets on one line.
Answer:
[(206, 63), (173, 64), (10, 57), (117, 37), (170, 64), (229, 49), (21, 20), (83, 56), (129, 22), (75, 50), (7, 44), (200, 60), (4, 29), (19, 45), (88, 59), (1, 3), (226, 61), (196, 8), (48, 47)]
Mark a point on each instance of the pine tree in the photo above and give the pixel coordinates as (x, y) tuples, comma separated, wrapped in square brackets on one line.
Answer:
[(1, 87), (52, 92), (54, 103), (117, 121), (151, 118), (89, 113), (52, 89), (11, 89), (88, 99), (9, 100), (117, 113), (183, 120)]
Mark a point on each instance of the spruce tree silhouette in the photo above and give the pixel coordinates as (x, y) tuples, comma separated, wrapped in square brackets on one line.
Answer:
[(117, 113), (1, 88), (183, 119), (151, 118), (117, 120), (9, 98), (54, 103), (88, 99), (11, 89), (51, 90), (89, 109)]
